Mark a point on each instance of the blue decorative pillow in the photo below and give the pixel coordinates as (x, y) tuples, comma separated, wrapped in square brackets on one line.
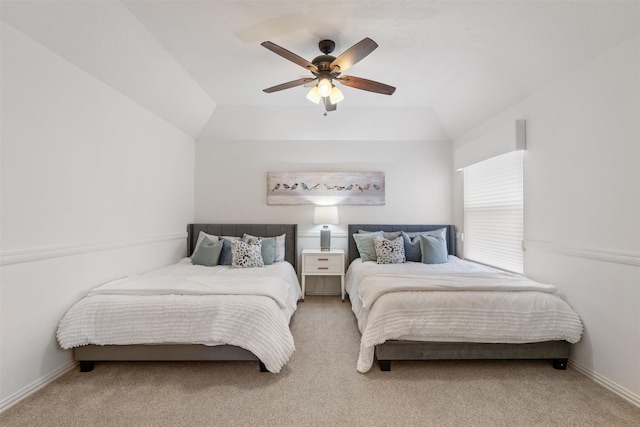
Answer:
[(268, 247), (226, 256), (434, 249), (364, 242), (208, 253), (412, 247), (412, 242)]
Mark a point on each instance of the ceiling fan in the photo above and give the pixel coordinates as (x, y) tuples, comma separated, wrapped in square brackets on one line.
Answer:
[(326, 69)]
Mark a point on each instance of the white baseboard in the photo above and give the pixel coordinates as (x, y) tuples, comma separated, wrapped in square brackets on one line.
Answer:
[(605, 382), (36, 385)]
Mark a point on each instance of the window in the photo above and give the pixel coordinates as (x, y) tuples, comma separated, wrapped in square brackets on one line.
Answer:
[(493, 212)]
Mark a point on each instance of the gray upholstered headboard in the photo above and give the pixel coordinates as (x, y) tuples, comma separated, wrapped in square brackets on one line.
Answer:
[(353, 228), (263, 230)]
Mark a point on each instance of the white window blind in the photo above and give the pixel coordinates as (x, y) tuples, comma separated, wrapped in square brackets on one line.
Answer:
[(493, 212)]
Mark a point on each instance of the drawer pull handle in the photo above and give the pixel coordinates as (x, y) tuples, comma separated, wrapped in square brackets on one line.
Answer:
[(323, 268), (323, 259)]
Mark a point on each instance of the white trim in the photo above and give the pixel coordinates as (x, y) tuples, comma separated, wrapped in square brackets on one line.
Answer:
[(605, 382), (36, 385), (37, 254), (618, 257), (505, 139)]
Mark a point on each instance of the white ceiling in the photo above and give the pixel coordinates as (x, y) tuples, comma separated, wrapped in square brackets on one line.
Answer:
[(454, 63)]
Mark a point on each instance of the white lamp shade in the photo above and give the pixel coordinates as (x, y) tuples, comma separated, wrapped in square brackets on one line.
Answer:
[(314, 95), (325, 215), (336, 95)]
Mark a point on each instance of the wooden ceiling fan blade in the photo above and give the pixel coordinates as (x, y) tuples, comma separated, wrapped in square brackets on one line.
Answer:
[(279, 50), (288, 85), (354, 54), (368, 85)]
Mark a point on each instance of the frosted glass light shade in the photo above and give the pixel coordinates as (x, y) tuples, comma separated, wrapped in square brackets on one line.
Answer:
[(336, 95), (314, 95), (324, 87), (325, 215)]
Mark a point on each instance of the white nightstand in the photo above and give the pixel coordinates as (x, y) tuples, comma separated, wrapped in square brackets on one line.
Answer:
[(323, 263)]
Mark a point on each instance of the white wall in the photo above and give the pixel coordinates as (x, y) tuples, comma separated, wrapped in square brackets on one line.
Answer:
[(231, 185), (582, 206), (94, 187)]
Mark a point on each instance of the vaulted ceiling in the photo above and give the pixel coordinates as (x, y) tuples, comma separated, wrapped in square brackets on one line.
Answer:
[(199, 64)]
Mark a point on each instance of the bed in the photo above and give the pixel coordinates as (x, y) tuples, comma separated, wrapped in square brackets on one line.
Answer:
[(186, 312), (451, 310)]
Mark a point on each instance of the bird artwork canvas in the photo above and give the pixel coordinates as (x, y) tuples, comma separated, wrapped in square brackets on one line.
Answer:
[(325, 188)]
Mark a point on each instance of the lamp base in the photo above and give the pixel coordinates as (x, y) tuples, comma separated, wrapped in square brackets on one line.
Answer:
[(325, 239)]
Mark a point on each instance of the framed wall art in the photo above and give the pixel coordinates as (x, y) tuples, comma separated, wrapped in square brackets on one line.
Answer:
[(325, 188)]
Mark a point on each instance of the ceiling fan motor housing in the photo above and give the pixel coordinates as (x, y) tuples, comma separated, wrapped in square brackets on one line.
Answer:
[(326, 46), (323, 62)]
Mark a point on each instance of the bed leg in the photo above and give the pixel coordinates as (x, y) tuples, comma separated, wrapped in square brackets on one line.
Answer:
[(385, 365), (262, 367), (86, 366), (560, 364)]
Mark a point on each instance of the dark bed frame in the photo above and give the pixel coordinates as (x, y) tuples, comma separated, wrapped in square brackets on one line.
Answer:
[(557, 351), (89, 354)]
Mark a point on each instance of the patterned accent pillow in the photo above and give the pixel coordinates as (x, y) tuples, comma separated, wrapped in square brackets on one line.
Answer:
[(246, 255), (389, 251), (268, 247)]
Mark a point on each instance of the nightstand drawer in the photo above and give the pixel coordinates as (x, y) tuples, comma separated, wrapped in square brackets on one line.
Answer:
[(323, 263)]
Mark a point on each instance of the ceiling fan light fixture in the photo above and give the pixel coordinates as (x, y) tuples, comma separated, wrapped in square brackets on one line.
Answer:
[(324, 87), (336, 95), (314, 95)]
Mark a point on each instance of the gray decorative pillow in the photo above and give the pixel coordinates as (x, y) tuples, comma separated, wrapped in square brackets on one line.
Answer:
[(246, 255), (208, 253), (366, 248), (434, 249), (389, 251), (412, 242)]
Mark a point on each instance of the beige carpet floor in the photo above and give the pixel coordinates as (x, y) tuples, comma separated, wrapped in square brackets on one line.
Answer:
[(321, 387)]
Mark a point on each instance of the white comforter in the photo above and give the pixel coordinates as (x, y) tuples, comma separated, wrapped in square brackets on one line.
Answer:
[(186, 304), (458, 301)]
